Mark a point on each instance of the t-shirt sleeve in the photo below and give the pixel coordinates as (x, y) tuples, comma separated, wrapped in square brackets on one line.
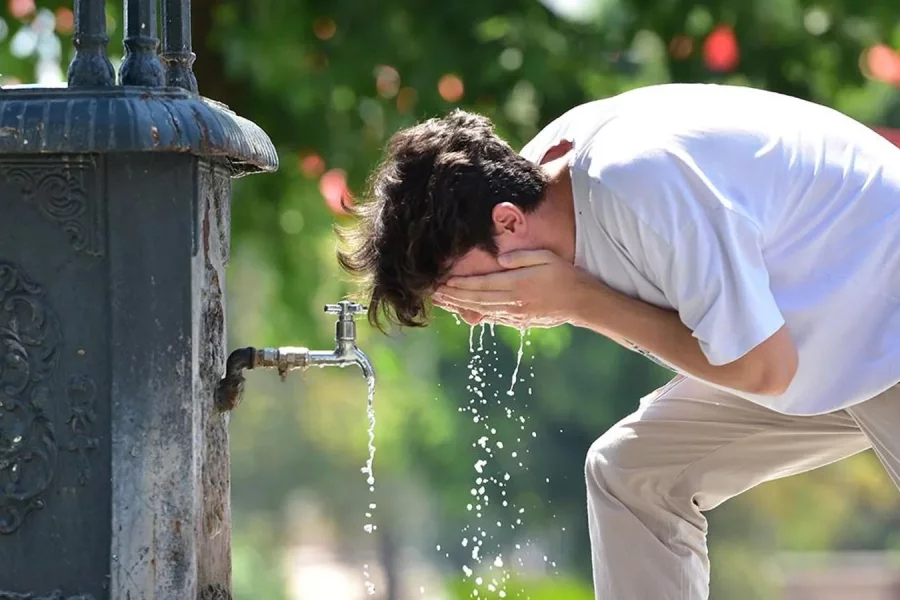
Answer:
[(714, 274)]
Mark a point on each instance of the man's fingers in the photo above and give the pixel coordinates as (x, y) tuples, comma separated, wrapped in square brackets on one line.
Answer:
[(526, 258), (490, 298), (458, 305), (445, 306), (490, 310), (499, 281)]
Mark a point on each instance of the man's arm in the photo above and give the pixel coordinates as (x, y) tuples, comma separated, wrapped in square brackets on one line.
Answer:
[(767, 369), (526, 297)]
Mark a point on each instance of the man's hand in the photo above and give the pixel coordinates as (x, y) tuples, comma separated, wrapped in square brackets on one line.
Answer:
[(537, 289)]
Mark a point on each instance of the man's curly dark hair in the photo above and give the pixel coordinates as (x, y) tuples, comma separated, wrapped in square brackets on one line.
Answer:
[(430, 203)]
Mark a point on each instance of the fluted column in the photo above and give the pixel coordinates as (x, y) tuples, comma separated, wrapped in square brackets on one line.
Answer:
[(91, 66), (177, 54), (142, 66)]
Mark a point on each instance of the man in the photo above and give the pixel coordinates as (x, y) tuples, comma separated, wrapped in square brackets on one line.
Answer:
[(748, 240)]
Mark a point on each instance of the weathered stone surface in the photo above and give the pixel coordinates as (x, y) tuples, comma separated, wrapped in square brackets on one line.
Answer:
[(170, 510), (114, 464)]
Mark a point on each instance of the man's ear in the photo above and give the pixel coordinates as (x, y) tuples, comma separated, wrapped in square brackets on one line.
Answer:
[(509, 219)]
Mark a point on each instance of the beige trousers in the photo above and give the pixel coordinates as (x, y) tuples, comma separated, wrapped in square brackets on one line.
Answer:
[(687, 449)]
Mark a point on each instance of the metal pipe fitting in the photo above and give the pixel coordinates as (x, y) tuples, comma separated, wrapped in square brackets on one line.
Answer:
[(290, 358)]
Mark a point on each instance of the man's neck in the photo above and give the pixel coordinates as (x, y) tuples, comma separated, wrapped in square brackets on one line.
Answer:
[(558, 208)]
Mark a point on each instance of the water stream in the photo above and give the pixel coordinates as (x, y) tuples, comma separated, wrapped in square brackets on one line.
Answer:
[(370, 413), (515, 375), (369, 472)]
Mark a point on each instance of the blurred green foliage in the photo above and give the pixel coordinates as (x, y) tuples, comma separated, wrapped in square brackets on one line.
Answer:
[(330, 81)]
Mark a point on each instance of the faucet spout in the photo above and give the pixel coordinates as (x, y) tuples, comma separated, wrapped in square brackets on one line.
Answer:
[(365, 365), (342, 357)]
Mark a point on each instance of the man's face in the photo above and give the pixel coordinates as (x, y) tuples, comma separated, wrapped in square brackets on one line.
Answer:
[(475, 262), (480, 262)]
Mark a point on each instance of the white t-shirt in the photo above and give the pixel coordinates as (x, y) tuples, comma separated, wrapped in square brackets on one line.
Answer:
[(745, 210)]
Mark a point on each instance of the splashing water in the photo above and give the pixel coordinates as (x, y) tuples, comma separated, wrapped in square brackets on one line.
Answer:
[(370, 475), (515, 374), (490, 569)]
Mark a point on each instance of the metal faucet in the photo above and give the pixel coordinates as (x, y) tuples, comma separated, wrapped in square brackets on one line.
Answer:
[(289, 358)]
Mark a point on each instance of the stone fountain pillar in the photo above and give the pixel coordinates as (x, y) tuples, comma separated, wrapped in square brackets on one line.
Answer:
[(114, 232)]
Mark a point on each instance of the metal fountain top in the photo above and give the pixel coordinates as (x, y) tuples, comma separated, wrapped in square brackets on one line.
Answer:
[(153, 105)]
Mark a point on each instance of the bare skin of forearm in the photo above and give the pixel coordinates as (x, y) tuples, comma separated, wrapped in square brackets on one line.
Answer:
[(631, 322)]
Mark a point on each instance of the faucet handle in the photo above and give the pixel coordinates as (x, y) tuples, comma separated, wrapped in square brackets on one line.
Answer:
[(345, 308)]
